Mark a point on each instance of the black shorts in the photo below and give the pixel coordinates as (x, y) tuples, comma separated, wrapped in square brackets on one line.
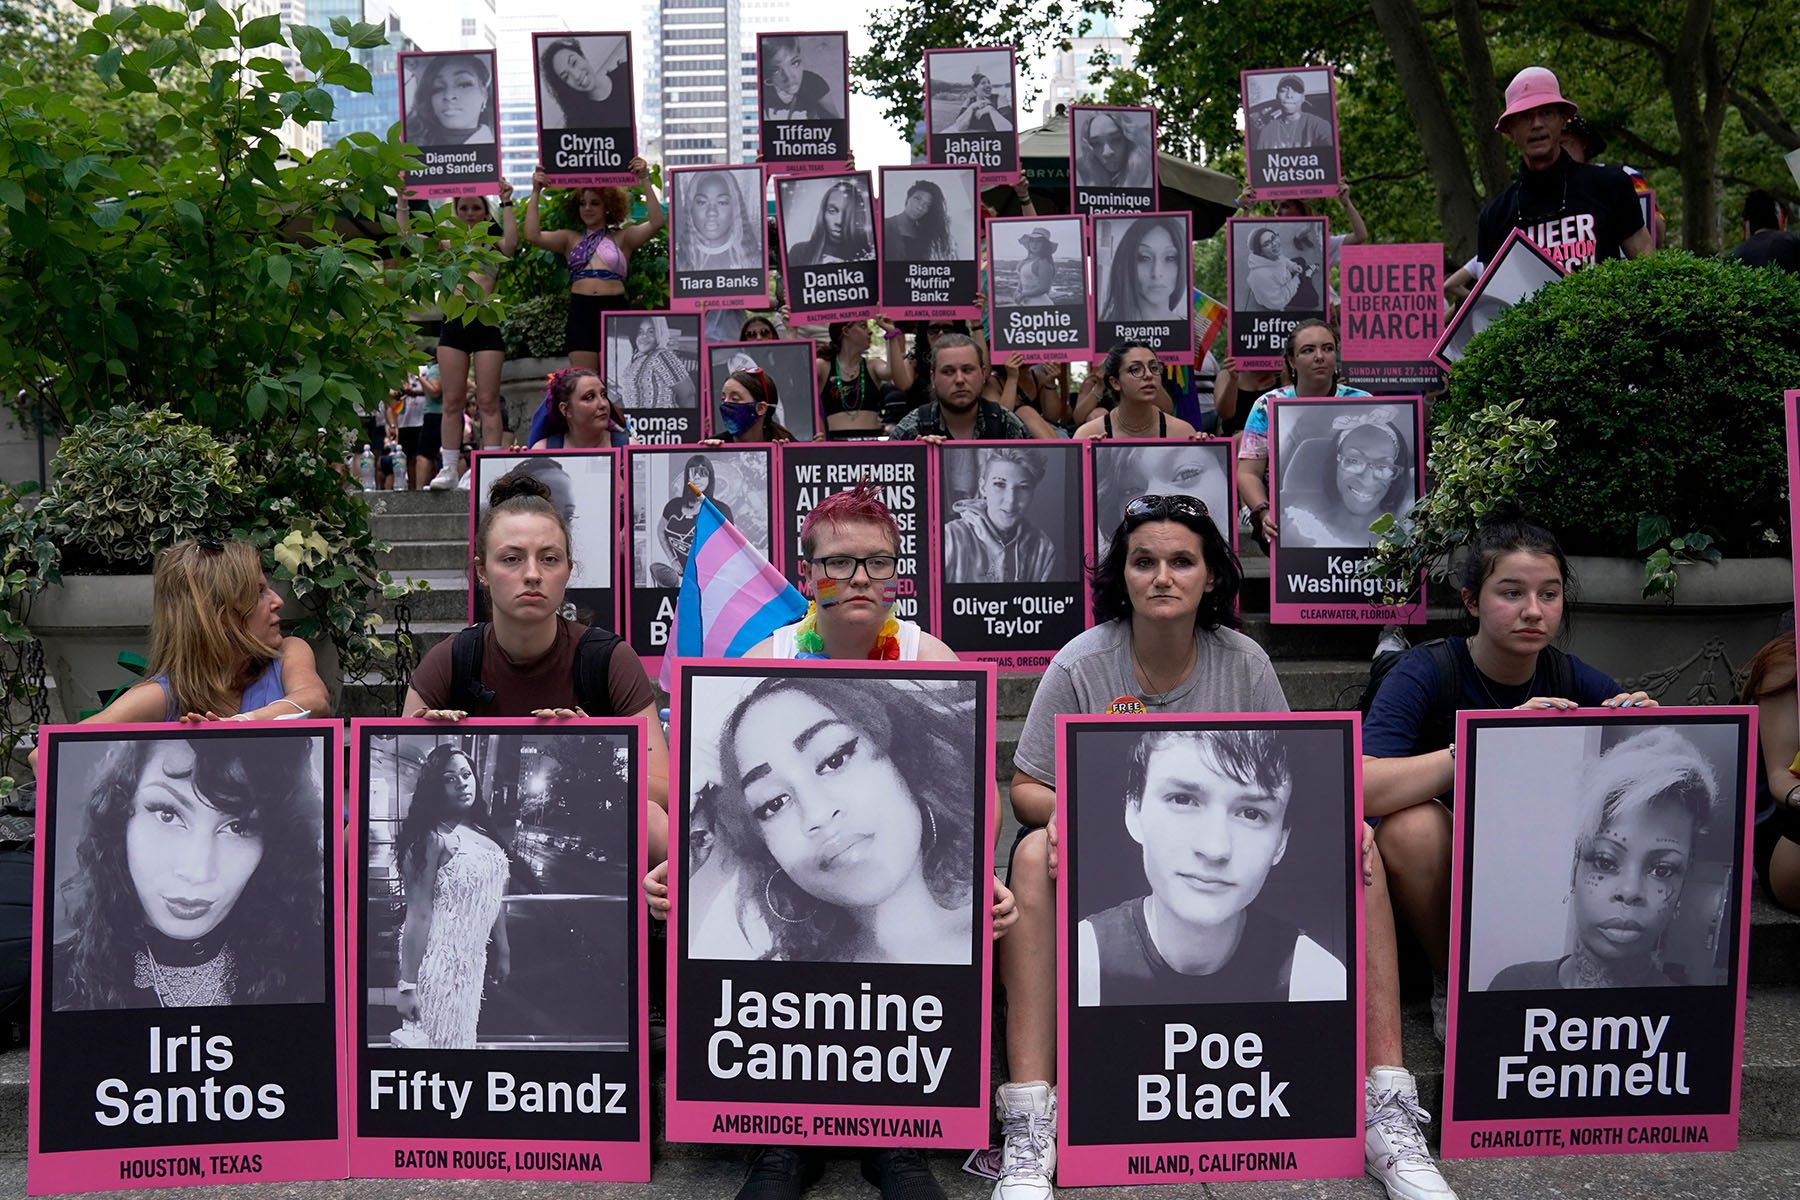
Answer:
[(583, 329), (423, 441), (471, 337), (1784, 822)]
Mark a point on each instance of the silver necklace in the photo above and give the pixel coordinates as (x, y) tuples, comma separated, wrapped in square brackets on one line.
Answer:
[(208, 985)]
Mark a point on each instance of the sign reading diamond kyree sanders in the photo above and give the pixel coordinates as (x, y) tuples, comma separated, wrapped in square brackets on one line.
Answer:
[(812, 471), (1520, 269), (830, 950), (803, 103), (1010, 588), (1291, 133), (971, 111), (1600, 912), (1178, 1063), (1112, 159), (930, 268), (1038, 289), (187, 1024), (1392, 316), (587, 121), (449, 106), (718, 238), (584, 484), (651, 362), (1142, 285), (498, 991), (1335, 467), (1275, 279)]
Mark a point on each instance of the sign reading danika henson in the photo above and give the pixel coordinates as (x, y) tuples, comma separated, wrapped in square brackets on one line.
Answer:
[(811, 471)]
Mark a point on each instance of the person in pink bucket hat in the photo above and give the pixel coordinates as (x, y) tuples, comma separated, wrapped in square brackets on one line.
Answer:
[(1578, 213)]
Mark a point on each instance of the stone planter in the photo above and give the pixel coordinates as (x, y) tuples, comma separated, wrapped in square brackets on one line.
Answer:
[(1689, 651)]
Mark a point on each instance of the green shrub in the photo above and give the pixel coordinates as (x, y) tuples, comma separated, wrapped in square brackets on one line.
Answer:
[(535, 326)]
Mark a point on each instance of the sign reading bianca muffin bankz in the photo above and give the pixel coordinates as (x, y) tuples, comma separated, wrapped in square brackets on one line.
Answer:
[(1600, 916), (186, 1023), (830, 949), (499, 1027)]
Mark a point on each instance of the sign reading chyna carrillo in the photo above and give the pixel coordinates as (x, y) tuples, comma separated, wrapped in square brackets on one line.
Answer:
[(811, 471), (1142, 283), (584, 484), (1600, 915), (188, 1023), (803, 103), (1210, 1008), (449, 106), (718, 239), (930, 269), (1336, 466), (497, 982), (1290, 132), (587, 123), (1275, 279), (1112, 160), (971, 111), (1010, 588), (1038, 301), (652, 362), (829, 945), (829, 264)]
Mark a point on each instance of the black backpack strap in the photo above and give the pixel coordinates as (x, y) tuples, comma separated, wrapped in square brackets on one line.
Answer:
[(593, 667), (1441, 727), (1561, 671), (466, 688)]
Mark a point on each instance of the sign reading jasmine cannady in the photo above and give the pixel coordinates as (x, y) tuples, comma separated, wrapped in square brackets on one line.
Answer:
[(930, 269), (1392, 315), (1290, 132), (652, 362), (1600, 914), (187, 1025), (1010, 584), (449, 109), (803, 104), (829, 946), (1112, 160), (1038, 290), (584, 484), (829, 264), (812, 471), (1210, 1006), (1142, 283), (718, 238), (1336, 466), (497, 965), (1275, 279), (587, 123), (971, 111)]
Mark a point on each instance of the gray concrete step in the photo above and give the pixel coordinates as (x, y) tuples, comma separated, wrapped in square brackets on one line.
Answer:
[(412, 558), (446, 597), (454, 500), (421, 527)]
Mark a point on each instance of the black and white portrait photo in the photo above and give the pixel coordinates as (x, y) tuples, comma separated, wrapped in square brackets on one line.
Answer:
[(1125, 470), (1288, 110), (584, 80), (833, 818), (802, 76), (1604, 855), (1142, 270), (665, 509), (971, 91), (1037, 263), (584, 485), (1340, 466), (717, 219), (790, 389), (827, 220), (1518, 272), (1005, 511), (652, 359), (189, 871), (927, 215), (1210, 865), (1278, 266), (450, 98), (499, 872), (1113, 148)]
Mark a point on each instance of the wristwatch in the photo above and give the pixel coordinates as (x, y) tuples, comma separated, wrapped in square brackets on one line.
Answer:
[(506, 204)]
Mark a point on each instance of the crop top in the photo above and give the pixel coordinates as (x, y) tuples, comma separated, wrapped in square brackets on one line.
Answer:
[(597, 243)]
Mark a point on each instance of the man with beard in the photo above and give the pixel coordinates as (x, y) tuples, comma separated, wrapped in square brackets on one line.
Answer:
[(956, 409)]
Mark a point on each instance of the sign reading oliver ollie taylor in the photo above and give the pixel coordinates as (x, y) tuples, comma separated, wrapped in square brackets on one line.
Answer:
[(587, 123), (1209, 948), (449, 109), (812, 471), (1600, 911), (187, 1024), (497, 968), (829, 945)]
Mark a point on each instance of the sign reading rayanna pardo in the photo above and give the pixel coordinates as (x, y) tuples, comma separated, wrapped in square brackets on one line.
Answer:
[(829, 944), (500, 1027), (1142, 283), (587, 121), (449, 109), (1275, 278), (1600, 912), (803, 103), (972, 111), (1336, 466), (187, 1024), (1392, 315), (1290, 132), (811, 471), (1209, 948), (1038, 289)]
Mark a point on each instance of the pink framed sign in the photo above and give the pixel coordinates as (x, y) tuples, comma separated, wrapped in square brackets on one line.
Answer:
[(1519, 270), (718, 238), (1291, 132), (930, 260), (1143, 283), (972, 110), (585, 485), (790, 385), (1120, 470), (586, 112), (830, 265), (1600, 920), (450, 110), (803, 102), (1038, 289), (651, 362), (1112, 159), (1392, 313), (1276, 273)]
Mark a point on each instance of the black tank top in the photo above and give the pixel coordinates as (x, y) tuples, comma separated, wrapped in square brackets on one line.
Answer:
[(1162, 423), (1130, 964)]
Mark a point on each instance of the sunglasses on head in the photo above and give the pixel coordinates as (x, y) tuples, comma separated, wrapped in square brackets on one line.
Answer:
[(211, 545), (1148, 508)]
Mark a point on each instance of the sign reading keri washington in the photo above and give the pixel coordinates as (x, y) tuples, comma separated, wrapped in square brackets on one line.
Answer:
[(803, 103), (830, 939), (1290, 132), (1393, 315), (1112, 160), (971, 111), (1038, 290), (449, 106), (718, 239), (1600, 912), (829, 262), (930, 266), (587, 121), (187, 1017), (1208, 948)]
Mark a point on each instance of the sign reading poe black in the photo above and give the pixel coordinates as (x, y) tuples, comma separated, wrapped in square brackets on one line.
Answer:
[(812, 471)]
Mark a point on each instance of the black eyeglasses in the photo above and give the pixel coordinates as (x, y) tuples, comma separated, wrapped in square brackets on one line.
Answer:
[(843, 566), (1148, 508)]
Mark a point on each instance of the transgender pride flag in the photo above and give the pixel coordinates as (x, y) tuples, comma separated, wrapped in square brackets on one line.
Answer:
[(731, 598)]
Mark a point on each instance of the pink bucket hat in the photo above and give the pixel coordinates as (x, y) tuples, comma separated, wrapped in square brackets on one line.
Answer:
[(1532, 88)]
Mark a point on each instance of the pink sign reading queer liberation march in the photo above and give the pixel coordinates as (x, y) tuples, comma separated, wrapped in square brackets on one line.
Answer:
[(1600, 914), (187, 1024), (1392, 315), (1250, 1070)]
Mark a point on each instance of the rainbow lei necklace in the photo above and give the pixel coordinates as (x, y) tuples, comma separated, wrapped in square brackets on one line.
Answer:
[(808, 643)]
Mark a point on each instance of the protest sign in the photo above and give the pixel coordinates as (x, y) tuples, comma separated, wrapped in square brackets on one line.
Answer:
[(830, 988), (1112, 159), (803, 106), (899, 470), (1275, 279), (651, 363), (972, 111), (1176, 1065), (1392, 315), (584, 485), (791, 387), (662, 510), (1335, 467), (1291, 133), (449, 106), (188, 1023), (1792, 158), (586, 115), (829, 264), (1518, 271), (718, 238), (1038, 289), (1119, 471), (1600, 912), (1143, 282), (1010, 588), (930, 268), (501, 1023)]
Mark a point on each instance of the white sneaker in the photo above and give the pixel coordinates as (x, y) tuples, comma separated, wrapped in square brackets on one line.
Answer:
[(445, 479), (1440, 1006), (1027, 1141), (1393, 1145)]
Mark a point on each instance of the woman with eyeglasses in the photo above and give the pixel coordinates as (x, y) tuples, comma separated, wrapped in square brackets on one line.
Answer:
[(1132, 375), (1366, 472)]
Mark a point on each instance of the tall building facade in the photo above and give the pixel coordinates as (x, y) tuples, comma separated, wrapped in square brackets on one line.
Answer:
[(700, 113), (1071, 69)]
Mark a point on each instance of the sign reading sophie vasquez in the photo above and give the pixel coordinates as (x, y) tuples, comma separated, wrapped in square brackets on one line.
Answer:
[(829, 945), (1209, 951), (1038, 289), (497, 965), (449, 109), (187, 1025), (587, 123), (1600, 912)]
